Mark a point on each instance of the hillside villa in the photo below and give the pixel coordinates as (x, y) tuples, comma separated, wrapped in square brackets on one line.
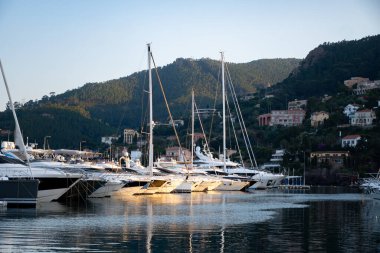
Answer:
[(350, 140), (109, 139), (364, 87), (129, 134), (285, 118), (355, 80), (174, 152), (318, 118), (335, 159), (350, 109), (297, 104), (363, 118)]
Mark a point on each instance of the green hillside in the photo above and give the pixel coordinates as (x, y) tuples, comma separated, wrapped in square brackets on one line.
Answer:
[(66, 128), (99, 109), (327, 66)]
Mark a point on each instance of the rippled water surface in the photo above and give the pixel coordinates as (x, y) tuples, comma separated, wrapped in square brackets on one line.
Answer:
[(198, 222)]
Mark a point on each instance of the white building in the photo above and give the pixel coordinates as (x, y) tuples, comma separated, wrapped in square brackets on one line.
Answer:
[(350, 110), (292, 117), (364, 87), (297, 104), (129, 134), (8, 145), (108, 139), (174, 152), (350, 140), (363, 118)]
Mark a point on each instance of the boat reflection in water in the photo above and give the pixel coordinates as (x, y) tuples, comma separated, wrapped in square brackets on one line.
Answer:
[(199, 222)]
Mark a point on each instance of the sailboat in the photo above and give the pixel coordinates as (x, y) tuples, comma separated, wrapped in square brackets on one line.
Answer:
[(52, 183), (157, 184), (196, 180), (15, 191), (209, 164)]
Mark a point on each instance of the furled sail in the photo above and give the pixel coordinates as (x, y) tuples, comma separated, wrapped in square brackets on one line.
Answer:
[(19, 142)]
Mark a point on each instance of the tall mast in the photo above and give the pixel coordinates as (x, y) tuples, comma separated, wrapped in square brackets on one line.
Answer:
[(224, 115), (22, 148), (150, 166), (192, 128)]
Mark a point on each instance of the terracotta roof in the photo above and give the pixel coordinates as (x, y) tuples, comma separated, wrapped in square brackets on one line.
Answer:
[(353, 136)]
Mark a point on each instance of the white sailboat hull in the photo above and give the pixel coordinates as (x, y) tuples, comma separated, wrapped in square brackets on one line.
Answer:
[(213, 185), (127, 191), (231, 185), (152, 187), (184, 187), (44, 196), (170, 186), (107, 190)]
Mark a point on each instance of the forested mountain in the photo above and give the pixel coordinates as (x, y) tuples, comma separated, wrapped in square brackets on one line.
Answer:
[(327, 66), (119, 102), (65, 128), (99, 109)]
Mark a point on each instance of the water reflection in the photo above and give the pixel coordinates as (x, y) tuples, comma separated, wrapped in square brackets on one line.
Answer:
[(201, 222)]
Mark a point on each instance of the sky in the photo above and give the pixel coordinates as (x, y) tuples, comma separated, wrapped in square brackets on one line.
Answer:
[(54, 46)]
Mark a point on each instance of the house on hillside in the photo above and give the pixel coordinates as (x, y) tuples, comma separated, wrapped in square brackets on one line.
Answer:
[(297, 104), (8, 145), (265, 119), (318, 118), (364, 87), (174, 152), (109, 139), (350, 140), (350, 109), (268, 96), (334, 159), (129, 134), (355, 80), (285, 118), (248, 96), (363, 118), (292, 117)]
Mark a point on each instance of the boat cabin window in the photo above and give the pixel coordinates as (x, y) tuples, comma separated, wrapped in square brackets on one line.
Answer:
[(5, 159)]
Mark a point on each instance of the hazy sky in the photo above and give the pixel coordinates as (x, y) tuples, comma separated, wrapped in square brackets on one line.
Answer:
[(53, 46)]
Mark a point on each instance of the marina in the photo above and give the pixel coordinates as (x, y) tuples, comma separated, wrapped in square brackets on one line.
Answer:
[(323, 219), (190, 126)]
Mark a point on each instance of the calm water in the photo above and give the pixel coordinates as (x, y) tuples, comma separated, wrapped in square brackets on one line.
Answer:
[(200, 222)]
